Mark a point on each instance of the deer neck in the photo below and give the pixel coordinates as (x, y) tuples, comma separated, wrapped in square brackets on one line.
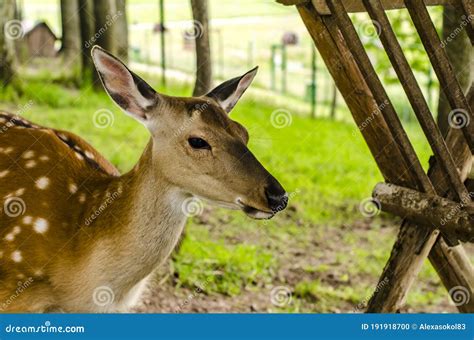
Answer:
[(139, 229)]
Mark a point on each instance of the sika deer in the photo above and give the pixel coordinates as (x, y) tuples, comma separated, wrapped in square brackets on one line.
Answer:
[(72, 225)]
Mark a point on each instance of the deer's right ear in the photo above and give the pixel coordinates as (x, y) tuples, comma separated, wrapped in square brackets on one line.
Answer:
[(130, 92)]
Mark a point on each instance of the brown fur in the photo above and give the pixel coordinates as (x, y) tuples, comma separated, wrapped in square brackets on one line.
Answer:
[(82, 228)]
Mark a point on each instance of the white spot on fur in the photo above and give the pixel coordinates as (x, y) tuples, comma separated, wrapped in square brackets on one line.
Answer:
[(30, 164), (44, 158), (89, 154), (40, 225), (27, 219), (16, 256), (19, 192), (42, 183), (8, 150), (82, 197), (72, 188), (28, 154), (9, 237), (20, 276), (78, 155), (4, 173)]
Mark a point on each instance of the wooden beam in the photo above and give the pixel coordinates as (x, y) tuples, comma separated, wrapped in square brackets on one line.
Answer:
[(353, 6), (414, 243), (468, 8), (441, 65), (416, 97), (450, 217)]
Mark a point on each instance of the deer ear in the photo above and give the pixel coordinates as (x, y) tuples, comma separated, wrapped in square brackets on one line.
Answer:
[(229, 92), (130, 92)]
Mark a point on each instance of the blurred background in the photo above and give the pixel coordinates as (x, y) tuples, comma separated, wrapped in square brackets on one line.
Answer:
[(327, 250)]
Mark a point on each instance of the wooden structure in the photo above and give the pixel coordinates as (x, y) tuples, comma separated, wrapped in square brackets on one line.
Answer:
[(38, 41), (437, 206)]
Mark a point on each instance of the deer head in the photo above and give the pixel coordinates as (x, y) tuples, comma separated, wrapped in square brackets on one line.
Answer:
[(196, 147)]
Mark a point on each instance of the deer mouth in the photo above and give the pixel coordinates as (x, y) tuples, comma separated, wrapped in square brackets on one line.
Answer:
[(255, 213)]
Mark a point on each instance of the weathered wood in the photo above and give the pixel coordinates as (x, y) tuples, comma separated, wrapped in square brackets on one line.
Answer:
[(441, 65), (291, 2), (353, 6), (358, 97), (468, 8), (375, 85), (451, 218), (415, 96), (414, 243)]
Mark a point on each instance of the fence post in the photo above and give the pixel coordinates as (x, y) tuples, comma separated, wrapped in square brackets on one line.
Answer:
[(313, 82), (272, 67), (162, 36), (283, 68)]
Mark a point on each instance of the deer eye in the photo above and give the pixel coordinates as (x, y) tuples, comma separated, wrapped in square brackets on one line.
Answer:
[(198, 143)]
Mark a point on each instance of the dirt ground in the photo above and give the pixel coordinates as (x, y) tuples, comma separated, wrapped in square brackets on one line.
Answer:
[(166, 296)]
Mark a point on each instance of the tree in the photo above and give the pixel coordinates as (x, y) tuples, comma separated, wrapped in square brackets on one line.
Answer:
[(122, 30), (105, 14), (459, 50), (71, 36), (203, 48), (87, 26), (9, 30)]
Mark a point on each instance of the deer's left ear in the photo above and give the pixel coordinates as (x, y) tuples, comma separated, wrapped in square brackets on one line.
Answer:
[(130, 92), (229, 92)]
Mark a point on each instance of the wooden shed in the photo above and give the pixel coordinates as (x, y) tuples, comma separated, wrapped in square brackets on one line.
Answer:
[(38, 41)]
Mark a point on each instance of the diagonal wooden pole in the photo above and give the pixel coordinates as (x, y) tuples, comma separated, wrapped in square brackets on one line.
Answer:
[(414, 243)]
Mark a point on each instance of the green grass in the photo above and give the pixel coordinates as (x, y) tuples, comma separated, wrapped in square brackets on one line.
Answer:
[(324, 165)]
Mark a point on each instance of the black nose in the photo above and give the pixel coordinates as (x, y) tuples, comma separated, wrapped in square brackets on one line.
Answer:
[(276, 196)]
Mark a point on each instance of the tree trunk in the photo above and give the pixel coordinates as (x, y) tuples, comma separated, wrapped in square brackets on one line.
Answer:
[(71, 38), (459, 50), (203, 47), (87, 24), (122, 30), (105, 13), (9, 31)]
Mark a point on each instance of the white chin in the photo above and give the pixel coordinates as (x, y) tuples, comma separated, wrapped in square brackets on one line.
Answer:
[(260, 215)]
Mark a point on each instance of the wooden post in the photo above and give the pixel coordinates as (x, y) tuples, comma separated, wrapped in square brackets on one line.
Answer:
[(452, 218), (414, 242)]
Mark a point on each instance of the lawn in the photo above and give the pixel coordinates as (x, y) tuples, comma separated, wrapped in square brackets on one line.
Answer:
[(321, 251)]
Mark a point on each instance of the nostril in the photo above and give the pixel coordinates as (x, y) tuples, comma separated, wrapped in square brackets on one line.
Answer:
[(277, 201)]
